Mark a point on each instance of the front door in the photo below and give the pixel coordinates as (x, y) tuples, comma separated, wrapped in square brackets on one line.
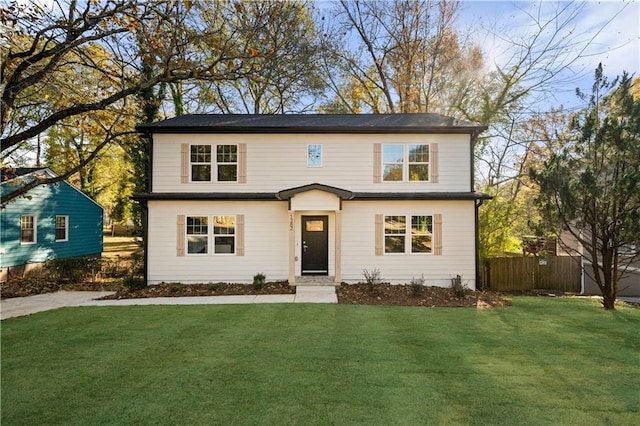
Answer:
[(315, 245)]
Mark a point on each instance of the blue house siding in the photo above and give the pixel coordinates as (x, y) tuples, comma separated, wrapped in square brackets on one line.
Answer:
[(46, 202)]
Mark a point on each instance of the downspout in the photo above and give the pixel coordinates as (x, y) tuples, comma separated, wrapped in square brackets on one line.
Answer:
[(479, 285), (145, 225), (478, 203)]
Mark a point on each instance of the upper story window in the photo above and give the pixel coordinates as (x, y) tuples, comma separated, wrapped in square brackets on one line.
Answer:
[(206, 168), (62, 228), (227, 159), (405, 162), (201, 163), (27, 229), (314, 155)]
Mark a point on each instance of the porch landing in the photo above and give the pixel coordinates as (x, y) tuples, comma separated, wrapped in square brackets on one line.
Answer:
[(315, 280), (317, 293)]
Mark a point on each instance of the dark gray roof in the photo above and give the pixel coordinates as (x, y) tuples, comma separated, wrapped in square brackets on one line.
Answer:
[(288, 193), (312, 123)]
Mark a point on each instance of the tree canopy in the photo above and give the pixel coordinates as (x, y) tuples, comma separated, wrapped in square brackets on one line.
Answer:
[(590, 185)]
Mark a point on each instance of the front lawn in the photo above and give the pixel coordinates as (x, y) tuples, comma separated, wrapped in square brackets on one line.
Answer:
[(541, 361)]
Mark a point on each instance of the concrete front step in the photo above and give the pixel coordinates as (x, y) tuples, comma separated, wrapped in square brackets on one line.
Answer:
[(315, 280), (316, 294)]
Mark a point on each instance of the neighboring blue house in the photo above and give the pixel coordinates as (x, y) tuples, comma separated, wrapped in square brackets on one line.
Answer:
[(51, 221)]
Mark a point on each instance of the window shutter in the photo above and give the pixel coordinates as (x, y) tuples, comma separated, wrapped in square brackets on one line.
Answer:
[(240, 235), (433, 157), (184, 163), (437, 234), (379, 234), (242, 163), (377, 163), (180, 235)]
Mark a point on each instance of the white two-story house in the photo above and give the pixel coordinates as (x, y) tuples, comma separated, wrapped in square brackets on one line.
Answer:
[(292, 196)]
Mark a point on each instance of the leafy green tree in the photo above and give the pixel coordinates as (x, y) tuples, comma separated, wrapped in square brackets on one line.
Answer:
[(590, 187)]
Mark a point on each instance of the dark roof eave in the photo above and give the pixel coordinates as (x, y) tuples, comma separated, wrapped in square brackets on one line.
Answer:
[(206, 196), (269, 196), (339, 192), (311, 129), (435, 196)]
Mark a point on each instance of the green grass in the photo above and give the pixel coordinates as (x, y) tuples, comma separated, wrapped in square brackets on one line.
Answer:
[(542, 361)]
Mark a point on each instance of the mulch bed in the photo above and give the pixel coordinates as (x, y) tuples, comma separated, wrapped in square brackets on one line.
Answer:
[(213, 289), (407, 295), (353, 294)]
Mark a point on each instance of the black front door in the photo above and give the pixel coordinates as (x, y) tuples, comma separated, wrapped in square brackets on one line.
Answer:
[(315, 245)]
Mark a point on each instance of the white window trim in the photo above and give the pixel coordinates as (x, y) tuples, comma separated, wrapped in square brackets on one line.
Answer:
[(408, 236), (314, 166), (66, 228), (235, 233), (411, 234), (405, 163), (210, 163), (215, 163), (211, 235), (385, 235), (35, 230), (186, 235)]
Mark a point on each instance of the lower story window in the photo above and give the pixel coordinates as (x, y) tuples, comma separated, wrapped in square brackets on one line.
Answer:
[(224, 234), (197, 234), (421, 234), (395, 229), (62, 233), (27, 229), (408, 234)]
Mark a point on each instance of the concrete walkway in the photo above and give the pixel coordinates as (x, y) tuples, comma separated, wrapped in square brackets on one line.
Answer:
[(19, 306)]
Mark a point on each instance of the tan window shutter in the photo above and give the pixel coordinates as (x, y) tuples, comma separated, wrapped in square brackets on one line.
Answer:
[(180, 236), (379, 234), (377, 163), (242, 163), (184, 163), (437, 234), (433, 160), (240, 235)]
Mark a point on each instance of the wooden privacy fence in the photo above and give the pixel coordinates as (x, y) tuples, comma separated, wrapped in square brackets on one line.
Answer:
[(558, 273)]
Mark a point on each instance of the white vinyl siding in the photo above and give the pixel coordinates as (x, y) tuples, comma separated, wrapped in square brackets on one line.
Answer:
[(260, 242), (278, 161), (363, 242), (265, 244)]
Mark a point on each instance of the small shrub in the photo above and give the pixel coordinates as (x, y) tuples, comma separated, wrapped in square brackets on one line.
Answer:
[(417, 285), (73, 269), (134, 283), (259, 280), (112, 268), (458, 287), (137, 264), (372, 278), (216, 286)]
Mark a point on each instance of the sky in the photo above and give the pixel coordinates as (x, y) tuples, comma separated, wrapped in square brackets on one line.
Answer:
[(601, 31)]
